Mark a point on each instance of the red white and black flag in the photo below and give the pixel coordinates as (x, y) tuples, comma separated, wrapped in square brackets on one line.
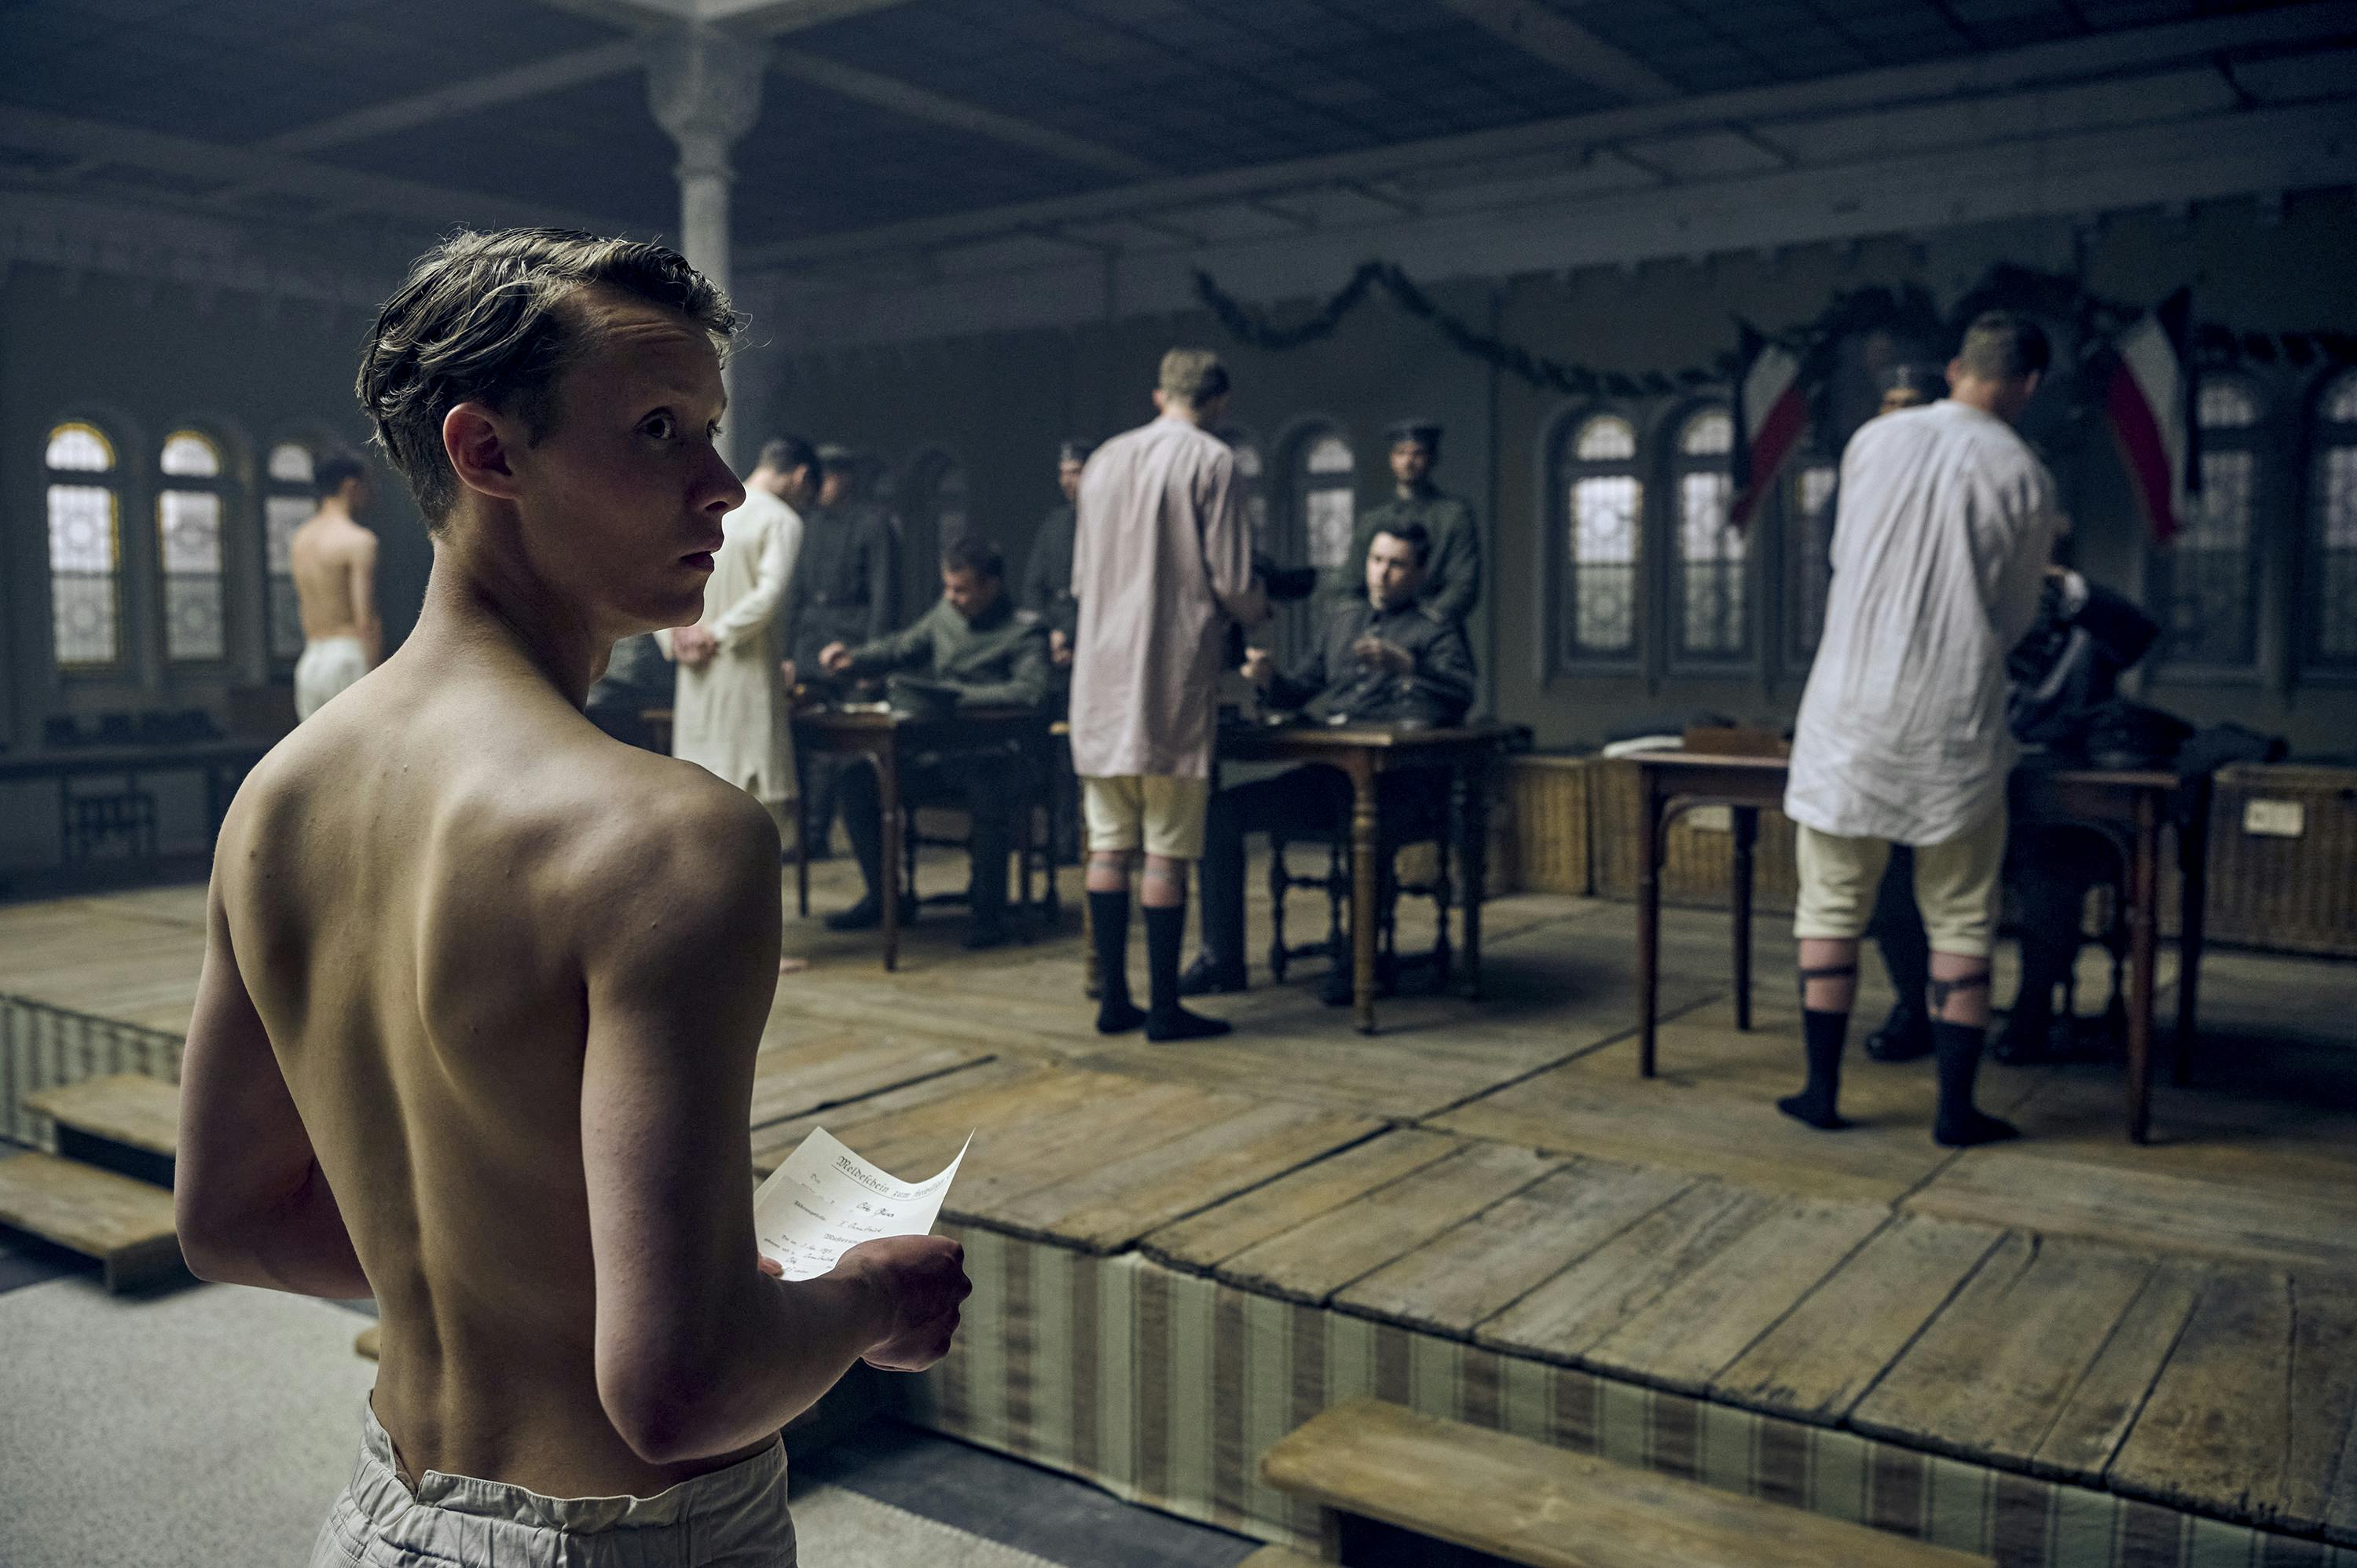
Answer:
[(2149, 404), (1770, 416)]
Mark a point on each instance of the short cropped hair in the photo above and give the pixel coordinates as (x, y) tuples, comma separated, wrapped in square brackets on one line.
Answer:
[(492, 319), (1194, 376), (2002, 347), (330, 470), (972, 552), (788, 454), (1415, 535), (1074, 450)]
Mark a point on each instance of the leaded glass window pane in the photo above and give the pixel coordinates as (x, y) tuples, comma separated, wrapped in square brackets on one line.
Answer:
[(187, 455), (1808, 551), (1602, 566), (1606, 438), (1710, 435), (2211, 564), (80, 449), (1327, 514), (82, 551), (189, 523), (1711, 561), (2332, 535), (1330, 455), (281, 516), (290, 463)]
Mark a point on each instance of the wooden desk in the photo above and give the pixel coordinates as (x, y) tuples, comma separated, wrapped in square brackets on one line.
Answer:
[(223, 763), (2129, 806), (882, 739), (1364, 753)]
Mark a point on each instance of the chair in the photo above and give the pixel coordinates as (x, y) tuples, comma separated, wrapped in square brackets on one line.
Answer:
[(1035, 822), (1427, 821)]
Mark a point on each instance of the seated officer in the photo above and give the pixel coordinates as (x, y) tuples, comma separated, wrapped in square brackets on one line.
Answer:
[(1382, 659), (976, 642)]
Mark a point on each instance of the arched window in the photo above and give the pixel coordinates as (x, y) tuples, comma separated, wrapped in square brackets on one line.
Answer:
[(1602, 501), (2332, 528), (189, 534), (937, 514), (291, 497), (1254, 472), (1713, 610), (1808, 549), (85, 548), (1323, 480), (2209, 569)]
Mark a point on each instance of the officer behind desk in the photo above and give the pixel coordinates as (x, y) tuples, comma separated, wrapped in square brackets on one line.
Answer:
[(1047, 571), (995, 656), (846, 588), (1386, 658), (1452, 578)]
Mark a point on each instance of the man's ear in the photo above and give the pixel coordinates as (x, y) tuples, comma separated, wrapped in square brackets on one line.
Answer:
[(476, 438), (1161, 400)]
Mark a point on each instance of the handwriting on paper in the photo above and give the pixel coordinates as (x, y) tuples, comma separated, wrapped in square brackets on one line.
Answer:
[(825, 1200)]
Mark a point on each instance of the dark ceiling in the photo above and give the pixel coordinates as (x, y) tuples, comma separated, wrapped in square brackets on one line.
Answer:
[(1184, 86)]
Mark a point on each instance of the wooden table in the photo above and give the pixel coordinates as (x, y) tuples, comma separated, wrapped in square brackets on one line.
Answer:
[(1364, 753), (2128, 805), (223, 763), (882, 739)]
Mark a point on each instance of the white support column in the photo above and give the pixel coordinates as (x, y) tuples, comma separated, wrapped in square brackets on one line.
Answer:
[(705, 87)]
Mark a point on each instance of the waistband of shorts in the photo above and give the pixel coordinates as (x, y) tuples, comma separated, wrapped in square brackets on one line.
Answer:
[(341, 640), (488, 1514)]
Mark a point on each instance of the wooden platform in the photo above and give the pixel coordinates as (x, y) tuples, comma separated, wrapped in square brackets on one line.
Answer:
[(2175, 1324), (124, 1224)]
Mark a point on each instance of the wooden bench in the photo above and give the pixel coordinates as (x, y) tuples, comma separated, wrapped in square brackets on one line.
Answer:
[(1376, 1470), (125, 1224), (127, 1122)]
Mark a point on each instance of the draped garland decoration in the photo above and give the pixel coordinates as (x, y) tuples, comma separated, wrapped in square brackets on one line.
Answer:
[(1906, 310)]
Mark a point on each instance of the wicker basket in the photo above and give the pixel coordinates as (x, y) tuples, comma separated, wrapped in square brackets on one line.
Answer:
[(1545, 816), (1698, 863), (2292, 894)]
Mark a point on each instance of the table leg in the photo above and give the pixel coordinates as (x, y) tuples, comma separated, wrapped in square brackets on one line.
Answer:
[(1649, 918), (2193, 914), (2143, 900), (1747, 836), (801, 852), (1363, 838), (887, 771), (1475, 852)]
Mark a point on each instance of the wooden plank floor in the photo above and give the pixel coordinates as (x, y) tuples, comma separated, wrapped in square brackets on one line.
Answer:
[(2176, 1321)]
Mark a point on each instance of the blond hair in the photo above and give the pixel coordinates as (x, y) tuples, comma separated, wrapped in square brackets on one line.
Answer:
[(1194, 376)]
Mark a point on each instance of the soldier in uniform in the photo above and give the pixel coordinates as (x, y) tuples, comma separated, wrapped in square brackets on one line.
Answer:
[(990, 654), (1387, 658), (846, 588), (1048, 572), (1452, 582)]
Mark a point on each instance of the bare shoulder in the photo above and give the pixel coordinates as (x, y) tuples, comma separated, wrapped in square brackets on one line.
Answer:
[(665, 831)]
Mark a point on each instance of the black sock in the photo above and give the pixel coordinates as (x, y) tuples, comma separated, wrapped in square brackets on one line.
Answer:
[(1165, 931), (1961, 1125), (1109, 921), (1823, 1036)]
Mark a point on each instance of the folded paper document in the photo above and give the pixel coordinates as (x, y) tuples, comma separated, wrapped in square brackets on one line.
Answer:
[(825, 1200)]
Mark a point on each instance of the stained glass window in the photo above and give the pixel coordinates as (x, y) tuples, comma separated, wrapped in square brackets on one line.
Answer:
[(1603, 503), (1714, 619), (1253, 474), (2332, 528), (85, 548), (2211, 567), (288, 504), (1325, 490), (188, 537), (1808, 550)]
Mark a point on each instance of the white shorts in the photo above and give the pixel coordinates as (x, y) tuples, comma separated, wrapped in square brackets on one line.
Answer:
[(326, 666), (1162, 815), (1956, 886), (731, 1517)]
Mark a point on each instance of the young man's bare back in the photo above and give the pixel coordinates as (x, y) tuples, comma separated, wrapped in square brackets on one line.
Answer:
[(332, 558), (476, 1025)]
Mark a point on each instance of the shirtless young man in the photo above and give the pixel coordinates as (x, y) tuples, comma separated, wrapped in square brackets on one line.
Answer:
[(482, 988), (333, 560)]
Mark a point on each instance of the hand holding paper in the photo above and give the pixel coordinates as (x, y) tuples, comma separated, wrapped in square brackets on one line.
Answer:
[(825, 1200)]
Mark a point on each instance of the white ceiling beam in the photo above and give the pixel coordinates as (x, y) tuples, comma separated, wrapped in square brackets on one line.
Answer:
[(1563, 43), (755, 19), (1994, 71), (886, 93), (530, 81), (60, 134)]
